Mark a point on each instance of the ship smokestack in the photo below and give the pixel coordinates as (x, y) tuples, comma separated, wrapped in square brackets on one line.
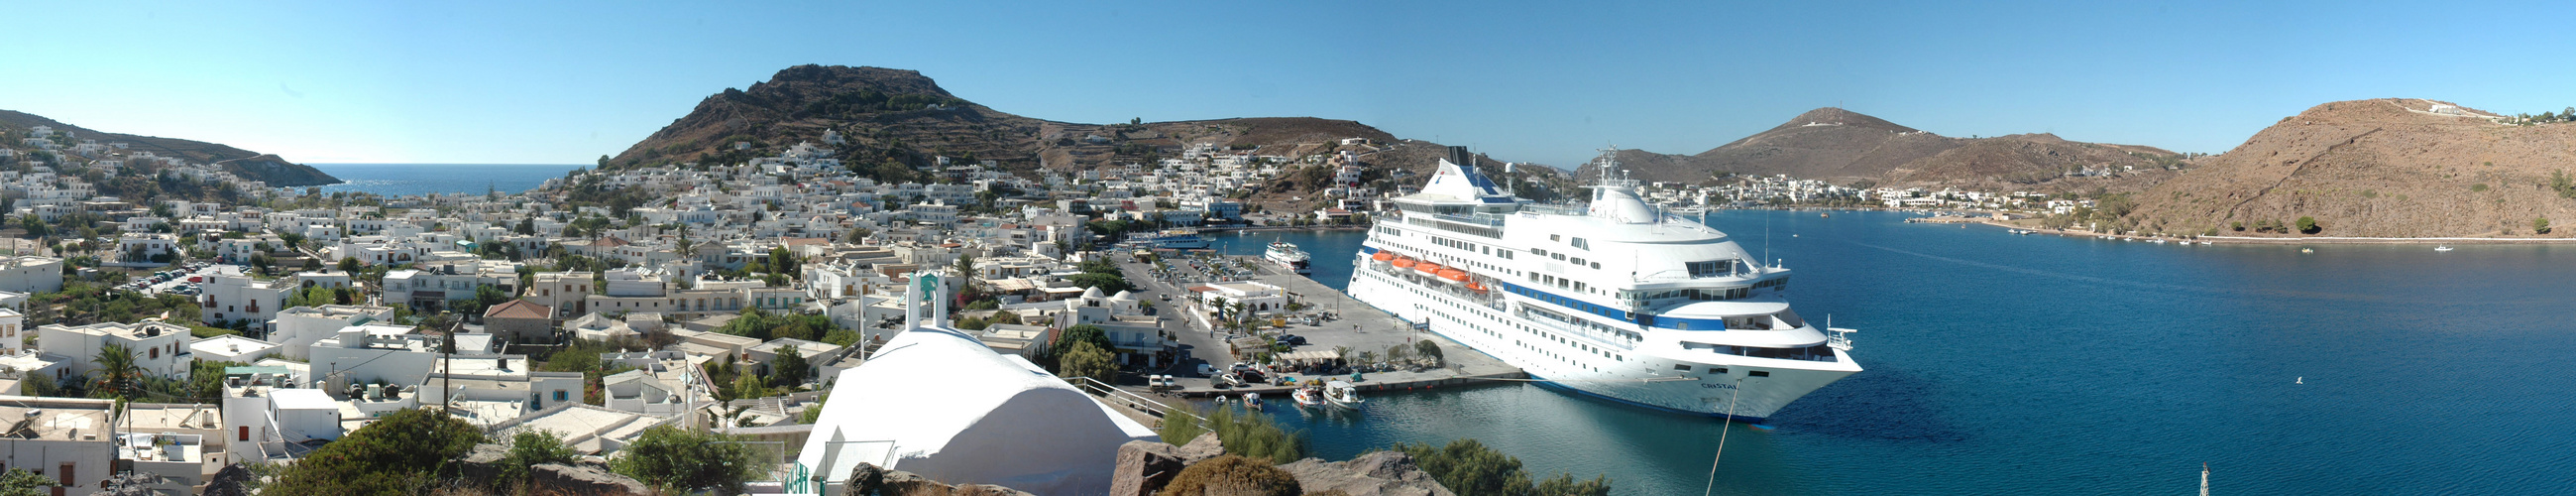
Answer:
[(1458, 155)]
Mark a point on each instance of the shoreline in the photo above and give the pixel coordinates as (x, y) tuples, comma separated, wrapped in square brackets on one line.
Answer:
[(2258, 240)]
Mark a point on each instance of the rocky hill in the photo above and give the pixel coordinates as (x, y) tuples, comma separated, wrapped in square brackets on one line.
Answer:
[(2381, 168), (247, 164), (900, 116), (1849, 147), (892, 121)]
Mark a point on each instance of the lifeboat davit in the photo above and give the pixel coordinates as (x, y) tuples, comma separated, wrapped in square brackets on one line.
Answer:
[(1404, 263), (1383, 255), (1454, 275)]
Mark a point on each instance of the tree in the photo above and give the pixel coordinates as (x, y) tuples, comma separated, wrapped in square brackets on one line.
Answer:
[(20, 482), (530, 448), (526, 227), (349, 265), (1256, 436), (1428, 349), (400, 453), (2540, 225), (2308, 225), (1468, 467), (1087, 360), (117, 372), (858, 235), (681, 461), (35, 227), (790, 369)]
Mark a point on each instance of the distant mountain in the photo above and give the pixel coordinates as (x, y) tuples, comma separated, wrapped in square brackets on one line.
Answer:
[(2384, 168), (1844, 147), (247, 164), (900, 116)]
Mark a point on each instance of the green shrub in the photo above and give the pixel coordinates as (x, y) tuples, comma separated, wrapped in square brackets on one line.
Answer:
[(683, 461), (2308, 225), (531, 448), (1233, 475), (1468, 467), (401, 453)]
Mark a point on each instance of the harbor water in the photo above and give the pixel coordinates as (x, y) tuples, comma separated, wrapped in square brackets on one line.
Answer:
[(2003, 364), (422, 179)]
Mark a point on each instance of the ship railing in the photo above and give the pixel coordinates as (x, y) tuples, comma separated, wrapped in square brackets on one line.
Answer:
[(1487, 220), (1597, 337), (1538, 209)]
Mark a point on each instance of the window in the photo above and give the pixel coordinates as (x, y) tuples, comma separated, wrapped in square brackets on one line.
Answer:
[(1712, 268), (245, 433), (559, 395), (1555, 237), (1582, 244), (1684, 368), (1596, 265), (1760, 373), (1578, 261)]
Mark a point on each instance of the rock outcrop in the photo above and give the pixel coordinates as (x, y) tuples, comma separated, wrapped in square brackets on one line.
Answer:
[(567, 480), (1386, 473), (867, 478), (1145, 466)]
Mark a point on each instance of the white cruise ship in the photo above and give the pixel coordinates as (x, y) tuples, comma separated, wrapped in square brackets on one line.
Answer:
[(1617, 299)]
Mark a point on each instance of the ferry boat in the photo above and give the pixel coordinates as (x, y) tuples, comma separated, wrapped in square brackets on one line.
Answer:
[(1287, 255), (1613, 299), (1175, 239)]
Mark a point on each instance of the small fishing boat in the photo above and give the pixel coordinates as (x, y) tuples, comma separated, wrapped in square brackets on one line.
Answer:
[(1343, 394), (1310, 396), (2442, 248), (1252, 400)]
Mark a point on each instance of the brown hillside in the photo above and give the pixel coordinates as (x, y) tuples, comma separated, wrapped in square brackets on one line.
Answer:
[(1845, 147), (271, 168), (2025, 161), (2384, 167)]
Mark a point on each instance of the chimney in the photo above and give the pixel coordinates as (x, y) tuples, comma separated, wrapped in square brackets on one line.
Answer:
[(1458, 155)]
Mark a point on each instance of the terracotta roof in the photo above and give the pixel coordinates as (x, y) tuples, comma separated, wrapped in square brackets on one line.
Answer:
[(519, 309)]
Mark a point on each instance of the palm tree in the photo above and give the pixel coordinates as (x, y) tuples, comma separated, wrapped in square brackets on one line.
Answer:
[(116, 370)]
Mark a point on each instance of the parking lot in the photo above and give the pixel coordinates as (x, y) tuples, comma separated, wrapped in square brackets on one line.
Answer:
[(1330, 322), (178, 279)]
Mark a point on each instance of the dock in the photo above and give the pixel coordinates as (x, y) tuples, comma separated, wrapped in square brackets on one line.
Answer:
[(1356, 325)]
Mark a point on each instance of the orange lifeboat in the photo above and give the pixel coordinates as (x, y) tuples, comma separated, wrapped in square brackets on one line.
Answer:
[(1475, 286), (1383, 255), (1404, 263), (1454, 275), (1429, 268)]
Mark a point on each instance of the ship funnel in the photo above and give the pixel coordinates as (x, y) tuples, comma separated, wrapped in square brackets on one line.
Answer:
[(1458, 155)]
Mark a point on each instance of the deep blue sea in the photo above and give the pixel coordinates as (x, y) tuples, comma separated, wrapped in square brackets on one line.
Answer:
[(421, 179), (2002, 364)]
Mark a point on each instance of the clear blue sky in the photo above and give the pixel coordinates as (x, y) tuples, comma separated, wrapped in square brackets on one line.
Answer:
[(503, 82)]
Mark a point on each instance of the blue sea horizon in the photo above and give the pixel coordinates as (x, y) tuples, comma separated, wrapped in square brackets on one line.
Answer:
[(421, 179)]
